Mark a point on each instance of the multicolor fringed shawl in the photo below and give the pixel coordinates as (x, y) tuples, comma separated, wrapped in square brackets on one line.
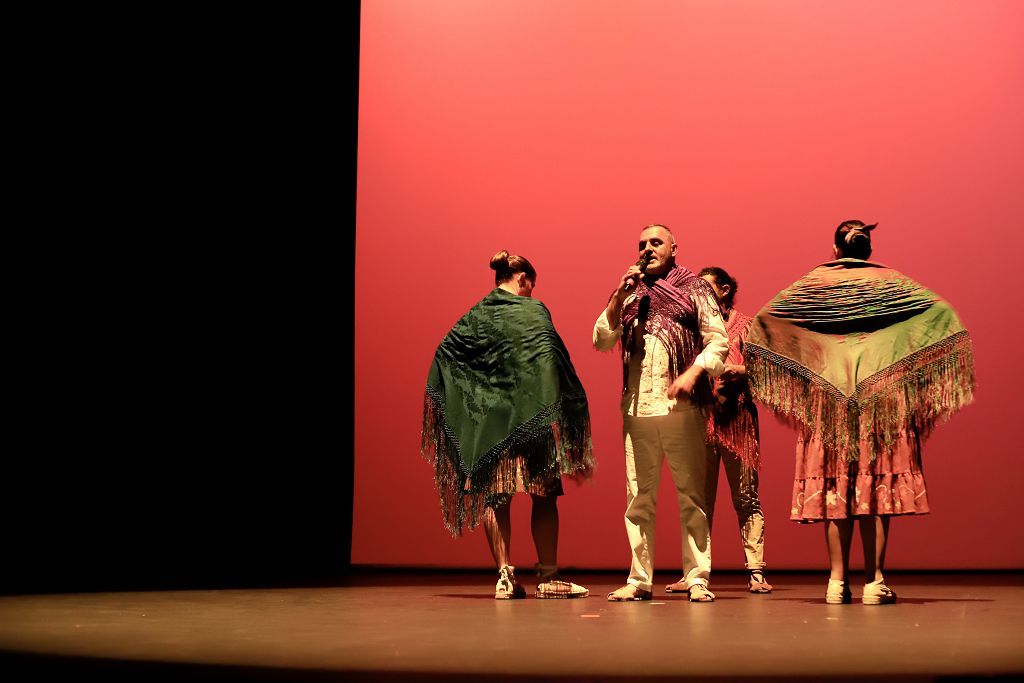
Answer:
[(855, 351), (668, 308), (501, 389), (733, 422)]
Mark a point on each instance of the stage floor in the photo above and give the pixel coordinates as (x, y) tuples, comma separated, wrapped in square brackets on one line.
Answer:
[(421, 625)]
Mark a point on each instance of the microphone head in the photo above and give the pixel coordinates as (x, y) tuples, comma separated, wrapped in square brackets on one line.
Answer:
[(645, 259)]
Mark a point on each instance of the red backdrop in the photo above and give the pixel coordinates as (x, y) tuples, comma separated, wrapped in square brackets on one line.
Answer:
[(557, 129)]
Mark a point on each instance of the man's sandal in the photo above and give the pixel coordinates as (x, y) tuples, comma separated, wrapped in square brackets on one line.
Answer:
[(680, 586), (757, 584), (700, 593), (629, 593)]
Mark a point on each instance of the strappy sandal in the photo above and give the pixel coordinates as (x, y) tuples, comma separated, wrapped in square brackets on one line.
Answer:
[(507, 587), (877, 593), (680, 586), (638, 594), (757, 584), (700, 593), (838, 593)]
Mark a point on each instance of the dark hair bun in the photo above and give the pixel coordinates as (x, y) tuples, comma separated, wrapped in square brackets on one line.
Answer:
[(499, 261), (853, 239)]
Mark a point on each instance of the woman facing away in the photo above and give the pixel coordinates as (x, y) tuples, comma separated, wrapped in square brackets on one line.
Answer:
[(865, 362), (505, 413)]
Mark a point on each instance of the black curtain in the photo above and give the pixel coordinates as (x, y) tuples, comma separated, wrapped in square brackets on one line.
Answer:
[(183, 403)]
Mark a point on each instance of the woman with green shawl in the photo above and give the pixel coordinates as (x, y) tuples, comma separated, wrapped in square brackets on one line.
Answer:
[(505, 413), (865, 362)]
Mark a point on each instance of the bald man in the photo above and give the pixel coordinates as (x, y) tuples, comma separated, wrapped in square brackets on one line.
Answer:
[(673, 341)]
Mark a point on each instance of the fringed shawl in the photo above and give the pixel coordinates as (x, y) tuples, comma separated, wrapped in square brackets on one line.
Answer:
[(857, 352), (733, 421), (668, 308), (501, 389)]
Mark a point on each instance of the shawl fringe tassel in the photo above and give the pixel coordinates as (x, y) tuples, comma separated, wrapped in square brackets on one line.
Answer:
[(737, 432), (912, 395), (558, 437)]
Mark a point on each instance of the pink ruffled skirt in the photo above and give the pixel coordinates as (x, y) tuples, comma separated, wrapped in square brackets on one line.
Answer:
[(825, 487)]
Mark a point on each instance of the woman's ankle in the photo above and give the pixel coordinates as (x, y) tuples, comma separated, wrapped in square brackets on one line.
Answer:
[(547, 572)]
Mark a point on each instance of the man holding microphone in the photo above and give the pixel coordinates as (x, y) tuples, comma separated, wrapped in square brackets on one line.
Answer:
[(673, 339)]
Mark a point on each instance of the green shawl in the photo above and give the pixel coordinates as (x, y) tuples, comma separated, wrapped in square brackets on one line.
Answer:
[(857, 352), (501, 388)]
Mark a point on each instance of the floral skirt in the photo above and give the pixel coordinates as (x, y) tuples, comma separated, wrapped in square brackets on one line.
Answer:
[(825, 487)]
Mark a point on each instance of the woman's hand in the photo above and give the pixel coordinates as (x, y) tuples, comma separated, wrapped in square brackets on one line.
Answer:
[(733, 373)]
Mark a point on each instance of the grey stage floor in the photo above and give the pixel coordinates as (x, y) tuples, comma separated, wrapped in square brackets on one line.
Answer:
[(415, 626)]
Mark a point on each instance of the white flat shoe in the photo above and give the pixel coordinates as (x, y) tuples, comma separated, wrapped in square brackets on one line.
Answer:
[(877, 593)]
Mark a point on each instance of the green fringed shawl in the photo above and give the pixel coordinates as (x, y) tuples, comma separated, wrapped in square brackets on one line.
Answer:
[(501, 387), (857, 352)]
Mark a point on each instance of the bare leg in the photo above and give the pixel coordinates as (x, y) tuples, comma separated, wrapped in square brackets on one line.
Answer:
[(498, 526), (544, 525), (838, 535), (874, 534)]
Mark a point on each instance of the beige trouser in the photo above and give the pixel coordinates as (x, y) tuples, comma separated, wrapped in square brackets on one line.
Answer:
[(679, 438), (743, 486)]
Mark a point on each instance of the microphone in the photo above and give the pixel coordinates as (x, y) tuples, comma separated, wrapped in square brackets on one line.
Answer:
[(642, 263)]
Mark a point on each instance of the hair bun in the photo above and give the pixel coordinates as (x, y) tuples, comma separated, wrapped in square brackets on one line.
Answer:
[(853, 239), (499, 261)]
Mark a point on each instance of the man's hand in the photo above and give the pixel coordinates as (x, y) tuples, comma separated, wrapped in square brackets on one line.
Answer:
[(685, 383), (628, 281), (614, 311)]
